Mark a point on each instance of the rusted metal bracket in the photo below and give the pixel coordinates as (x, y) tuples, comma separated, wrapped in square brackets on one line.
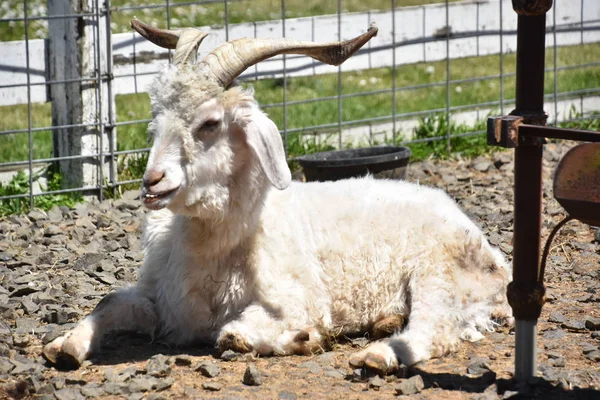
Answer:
[(509, 131), (503, 131)]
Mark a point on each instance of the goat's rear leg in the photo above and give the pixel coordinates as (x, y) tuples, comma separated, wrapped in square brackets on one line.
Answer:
[(259, 332), (124, 310), (433, 329)]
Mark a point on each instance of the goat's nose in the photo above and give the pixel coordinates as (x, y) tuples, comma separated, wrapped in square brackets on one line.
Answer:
[(152, 177)]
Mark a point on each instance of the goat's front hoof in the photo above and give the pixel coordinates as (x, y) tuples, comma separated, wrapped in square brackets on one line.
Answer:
[(378, 356), (65, 352), (235, 342)]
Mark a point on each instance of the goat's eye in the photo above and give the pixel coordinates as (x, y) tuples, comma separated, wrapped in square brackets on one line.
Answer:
[(207, 129), (210, 124)]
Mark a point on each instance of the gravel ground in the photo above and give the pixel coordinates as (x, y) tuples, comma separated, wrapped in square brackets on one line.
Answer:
[(56, 265)]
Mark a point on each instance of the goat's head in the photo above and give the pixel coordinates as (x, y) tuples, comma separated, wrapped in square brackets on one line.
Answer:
[(211, 139)]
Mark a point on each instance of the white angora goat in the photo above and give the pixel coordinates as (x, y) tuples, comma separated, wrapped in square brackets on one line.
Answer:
[(238, 255)]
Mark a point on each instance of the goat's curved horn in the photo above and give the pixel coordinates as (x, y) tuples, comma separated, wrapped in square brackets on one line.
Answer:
[(184, 41), (230, 59)]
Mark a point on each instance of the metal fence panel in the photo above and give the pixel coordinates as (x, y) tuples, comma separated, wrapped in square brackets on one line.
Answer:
[(123, 64)]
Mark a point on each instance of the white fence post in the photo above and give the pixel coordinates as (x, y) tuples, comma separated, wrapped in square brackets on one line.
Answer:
[(77, 54)]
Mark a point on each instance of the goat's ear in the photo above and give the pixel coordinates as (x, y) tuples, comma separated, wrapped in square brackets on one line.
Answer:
[(265, 141)]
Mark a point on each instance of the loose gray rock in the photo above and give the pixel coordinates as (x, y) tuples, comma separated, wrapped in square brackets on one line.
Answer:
[(557, 317), (91, 390), (26, 325), (362, 374), (208, 369), (128, 204), (55, 214), (211, 386), (114, 388), (191, 392), (103, 221), (478, 366), (482, 166), (587, 348), (553, 355), (58, 382), (334, 373), (557, 362), (29, 306), (229, 355), (183, 360), (110, 375), (158, 366), (376, 383), (497, 337), (68, 394), (155, 396), (509, 394), (140, 384), (5, 365), (576, 325), (593, 356), (252, 377), (554, 334), (409, 386), (37, 215), (26, 367), (326, 359), (592, 324), (162, 384), (312, 367), (285, 395)]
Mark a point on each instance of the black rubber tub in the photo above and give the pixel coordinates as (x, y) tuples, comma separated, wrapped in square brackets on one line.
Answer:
[(387, 162)]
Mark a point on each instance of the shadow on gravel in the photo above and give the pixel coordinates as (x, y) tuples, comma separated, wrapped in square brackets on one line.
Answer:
[(128, 348), (538, 388)]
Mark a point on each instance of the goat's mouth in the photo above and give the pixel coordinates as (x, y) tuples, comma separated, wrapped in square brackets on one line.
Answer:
[(158, 200)]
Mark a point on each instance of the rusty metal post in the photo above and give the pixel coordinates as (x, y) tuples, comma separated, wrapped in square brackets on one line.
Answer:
[(526, 291)]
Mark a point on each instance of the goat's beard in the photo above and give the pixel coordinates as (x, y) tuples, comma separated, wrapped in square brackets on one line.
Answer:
[(205, 202)]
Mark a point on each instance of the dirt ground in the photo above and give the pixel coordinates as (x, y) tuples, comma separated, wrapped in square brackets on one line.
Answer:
[(568, 337)]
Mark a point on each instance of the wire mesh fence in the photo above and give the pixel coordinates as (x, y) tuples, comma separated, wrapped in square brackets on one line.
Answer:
[(73, 78)]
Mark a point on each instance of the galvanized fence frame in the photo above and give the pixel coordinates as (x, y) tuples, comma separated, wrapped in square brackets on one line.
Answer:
[(97, 14)]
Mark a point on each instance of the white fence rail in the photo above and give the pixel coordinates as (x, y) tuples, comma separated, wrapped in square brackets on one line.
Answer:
[(418, 34)]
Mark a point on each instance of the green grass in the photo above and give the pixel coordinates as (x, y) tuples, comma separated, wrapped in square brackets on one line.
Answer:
[(20, 185), (435, 126), (194, 15)]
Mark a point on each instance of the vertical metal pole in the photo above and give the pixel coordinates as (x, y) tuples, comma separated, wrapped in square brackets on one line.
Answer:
[(285, 133), (554, 51), (99, 95), (226, 21), (256, 65), (477, 30), (112, 138), (524, 293), (501, 61), (581, 22), (394, 133), (448, 145), (424, 30), (135, 74), (168, 4), (340, 118), (29, 122), (368, 43)]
